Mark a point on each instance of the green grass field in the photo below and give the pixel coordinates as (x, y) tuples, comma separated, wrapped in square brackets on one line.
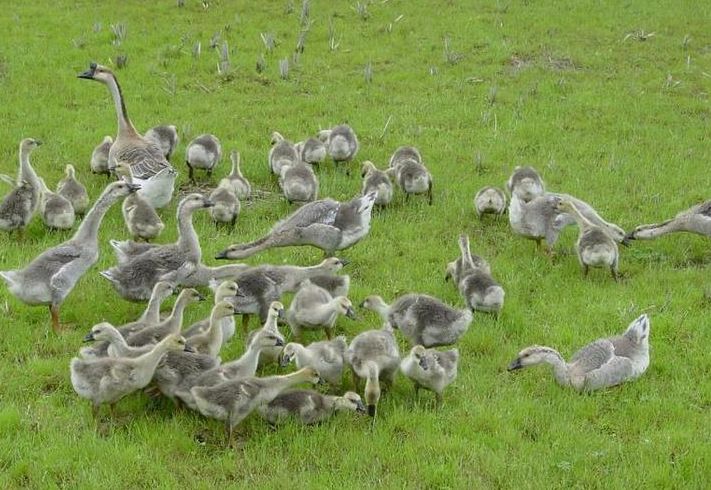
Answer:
[(608, 100)]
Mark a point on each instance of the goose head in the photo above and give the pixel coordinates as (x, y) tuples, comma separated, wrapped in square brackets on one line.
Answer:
[(69, 171), (97, 72), (366, 168), (178, 343), (120, 189), (345, 307), (333, 264), (309, 375), (227, 289), (195, 201), (276, 138), (289, 353), (276, 310), (324, 135), (266, 339), (530, 356), (29, 144), (223, 309), (418, 354), (190, 295), (638, 330), (350, 401), (373, 302), (101, 332), (163, 289)]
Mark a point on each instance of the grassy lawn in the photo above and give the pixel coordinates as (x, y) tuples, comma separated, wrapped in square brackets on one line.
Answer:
[(608, 100)]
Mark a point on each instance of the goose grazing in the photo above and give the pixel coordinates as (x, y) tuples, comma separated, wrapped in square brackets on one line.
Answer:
[(373, 355), (326, 357), (403, 154), (204, 153), (697, 219), (311, 151), (227, 290), (377, 181), (326, 224), (490, 200), (166, 137), (431, 369), (74, 191), (141, 218), (99, 162), (422, 319), (243, 367), (226, 207), (414, 178), (298, 182), (270, 355), (266, 283), (600, 364), (210, 342), (240, 185), (170, 325), (142, 265), (595, 248), (109, 379), (148, 165), (526, 183), (50, 277), (281, 154), (341, 143), (308, 406), (472, 275), (56, 211), (314, 308), (232, 401)]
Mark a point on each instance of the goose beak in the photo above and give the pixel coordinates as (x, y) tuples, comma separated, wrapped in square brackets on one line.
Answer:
[(239, 294), (344, 262), (221, 256), (320, 381), (187, 348), (515, 364), (628, 238), (360, 408), (38, 142), (208, 204), (133, 187), (285, 360), (350, 313), (371, 410), (280, 343), (89, 337), (423, 363), (88, 74), (281, 314), (201, 297)]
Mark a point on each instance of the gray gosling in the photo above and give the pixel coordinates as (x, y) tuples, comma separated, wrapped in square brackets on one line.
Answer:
[(56, 210), (326, 224), (603, 363), (526, 183), (19, 206), (281, 154), (414, 178), (51, 276), (422, 319), (170, 325), (210, 342), (377, 181), (535, 219), (141, 218), (226, 207), (489, 200), (335, 285), (474, 280), (232, 401), (270, 355), (311, 151), (373, 355), (240, 185), (266, 283), (314, 308), (109, 379), (309, 407), (179, 369), (226, 290), (298, 182), (166, 137), (697, 220), (74, 191), (326, 356), (595, 248), (204, 153), (341, 143), (117, 346), (148, 165), (403, 154), (99, 162), (431, 369)]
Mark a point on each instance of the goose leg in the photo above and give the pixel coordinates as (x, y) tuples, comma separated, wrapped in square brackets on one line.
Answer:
[(190, 172), (586, 269), (429, 195), (54, 312), (614, 273), (329, 333), (245, 324)]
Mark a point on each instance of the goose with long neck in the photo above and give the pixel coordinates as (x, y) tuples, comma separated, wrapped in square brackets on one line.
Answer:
[(144, 157), (697, 220), (50, 277), (240, 185), (141, 265), (224, 291), (603, 363), (26, 172), (210, 342), (108, 379)]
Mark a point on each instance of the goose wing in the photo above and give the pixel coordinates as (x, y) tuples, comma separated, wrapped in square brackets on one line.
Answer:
[(593, 356), (144, 161), (321, 212), (613, 372)]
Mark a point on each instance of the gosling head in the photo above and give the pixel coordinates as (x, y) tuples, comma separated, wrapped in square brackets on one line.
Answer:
[(564, 206), (289, 353), (366, 168), (373, 302), (530, 356), (276, 138), (638, 330), (163, 289), (177, 342), (350, 401), (194, 201), (223, 309), (451, 271), (309, 375), (276, 310), (120, 189), (123, 170), (227, 289), (100, 332), (333, 264), (345, 307), (69, 171), (29, 144), (418, 353), (265, 339), (190, 295)]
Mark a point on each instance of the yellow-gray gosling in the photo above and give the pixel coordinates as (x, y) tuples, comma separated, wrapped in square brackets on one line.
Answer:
[(308, 406), (166, 137), (326, 356), (314, 308), (141, 218), (73, 190), (431, 369), (204, 153)]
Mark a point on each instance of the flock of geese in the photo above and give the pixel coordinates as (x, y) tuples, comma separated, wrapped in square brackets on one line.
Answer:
[(184, 364)]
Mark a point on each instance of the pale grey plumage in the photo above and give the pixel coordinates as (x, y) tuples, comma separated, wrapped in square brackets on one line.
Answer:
[(240, 185), (57, 211), (326, 356), (282, 154), (314, 308), (490, 200), (170, 325), (377, 181), (166, 137), (308, 406), (298, 182), (431, 369), (99, 162), (696, 219), (74, 191), (204, 153)]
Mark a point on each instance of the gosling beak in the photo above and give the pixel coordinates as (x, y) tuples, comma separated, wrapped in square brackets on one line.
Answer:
[(280, 343), (285, 360), (208, 204), (350, 313), (371, 410), (187, 348), (89, 337), (239, 294), (447, 277), (344, 262), (133, 187), (281, 315), (38, 142), (360, 408), (361, 304), (222, 255), (423, 363), (88, 74), (200, 297), (320, 381), (628, 238), (515, 364)]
